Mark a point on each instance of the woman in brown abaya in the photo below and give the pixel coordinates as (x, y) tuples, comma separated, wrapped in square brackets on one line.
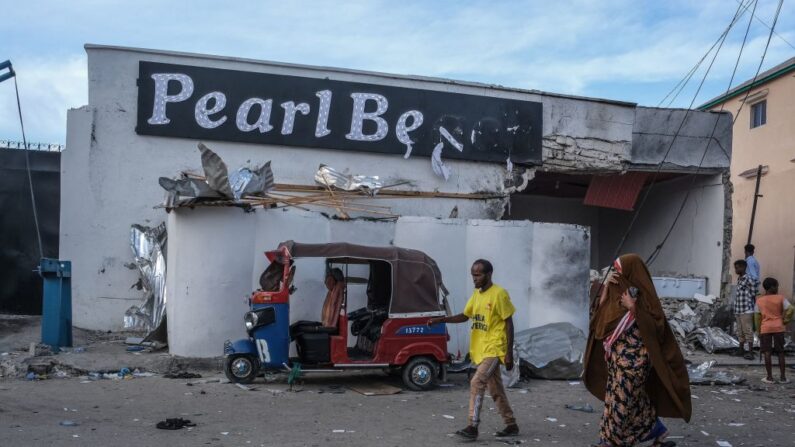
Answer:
[(632, 360)]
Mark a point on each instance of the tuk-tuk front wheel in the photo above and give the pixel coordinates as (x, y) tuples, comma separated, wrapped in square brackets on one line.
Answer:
[(241, 368), (421, 373)]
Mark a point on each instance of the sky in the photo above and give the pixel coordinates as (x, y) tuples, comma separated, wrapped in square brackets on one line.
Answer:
[(628, 50)]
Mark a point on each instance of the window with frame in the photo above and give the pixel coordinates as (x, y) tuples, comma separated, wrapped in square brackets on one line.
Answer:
[(759, 114)]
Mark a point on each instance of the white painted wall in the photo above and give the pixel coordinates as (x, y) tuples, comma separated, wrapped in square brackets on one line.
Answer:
[(543, 266), (109, 173), (695, 245)]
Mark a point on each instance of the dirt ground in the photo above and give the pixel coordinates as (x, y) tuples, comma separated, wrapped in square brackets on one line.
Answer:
[(326, 412)]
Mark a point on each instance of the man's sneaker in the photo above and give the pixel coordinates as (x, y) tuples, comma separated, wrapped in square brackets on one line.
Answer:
[(768, 381), (510, 430), (749, 356), (469, 433), (783, 380)]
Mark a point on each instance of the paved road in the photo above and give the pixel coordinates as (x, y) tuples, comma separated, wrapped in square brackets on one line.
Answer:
[(124, 413)]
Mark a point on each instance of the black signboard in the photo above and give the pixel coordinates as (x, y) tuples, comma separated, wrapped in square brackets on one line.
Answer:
[(216, 104)]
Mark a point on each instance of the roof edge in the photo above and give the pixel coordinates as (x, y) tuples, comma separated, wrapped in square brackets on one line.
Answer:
[(742, 89), (447, 81)]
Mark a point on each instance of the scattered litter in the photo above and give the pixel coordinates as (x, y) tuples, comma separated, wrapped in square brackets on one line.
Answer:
[(225, 433), (182, 375), (125, 373), (552, 351), (704, 433), (736, 424), (446, 385), (138, 348), (244, 387), (587, 408), (724, 444), (574, 383), (68, 423), (712, 339), (707, 299), (174, 424), (447, 416), (551, 419), (703, 375), (338, 431)]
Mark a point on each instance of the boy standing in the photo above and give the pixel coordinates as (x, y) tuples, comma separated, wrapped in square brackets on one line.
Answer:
[(490, 343), (773, 311), (744, 300)]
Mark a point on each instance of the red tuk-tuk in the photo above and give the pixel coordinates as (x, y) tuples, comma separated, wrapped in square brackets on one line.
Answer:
[(403, 290)]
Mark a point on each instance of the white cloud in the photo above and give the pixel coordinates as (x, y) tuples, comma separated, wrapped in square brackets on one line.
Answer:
[(566, 47), (47, 88)]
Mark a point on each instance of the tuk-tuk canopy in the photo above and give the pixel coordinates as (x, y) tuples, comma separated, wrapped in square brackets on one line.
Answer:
[(416, 279)]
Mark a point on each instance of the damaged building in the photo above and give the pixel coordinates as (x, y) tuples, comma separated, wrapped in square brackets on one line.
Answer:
[(544, 185)]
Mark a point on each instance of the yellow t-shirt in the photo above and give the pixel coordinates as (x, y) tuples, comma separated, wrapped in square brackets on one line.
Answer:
[(488, 311)]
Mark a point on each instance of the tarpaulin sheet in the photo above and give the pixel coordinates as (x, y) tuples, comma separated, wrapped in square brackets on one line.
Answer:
[(20, 286)]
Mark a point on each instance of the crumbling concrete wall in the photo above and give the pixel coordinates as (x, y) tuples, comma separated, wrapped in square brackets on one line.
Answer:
[(698, 134), (210, 278)]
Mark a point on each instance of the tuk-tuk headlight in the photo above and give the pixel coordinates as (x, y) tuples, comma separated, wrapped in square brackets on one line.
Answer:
[(250, 320)]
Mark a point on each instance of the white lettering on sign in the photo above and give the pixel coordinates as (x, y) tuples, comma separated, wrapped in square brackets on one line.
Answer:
[(402, 131), (321, 128), (438, 166), (262, 123), (359, 115), (162, 97), (289, 115), (202, 113)]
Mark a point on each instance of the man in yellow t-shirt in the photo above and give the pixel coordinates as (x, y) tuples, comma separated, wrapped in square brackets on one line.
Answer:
[(490, 343)]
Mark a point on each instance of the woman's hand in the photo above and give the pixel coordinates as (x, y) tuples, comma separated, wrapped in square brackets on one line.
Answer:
[(628, 302), (613, 278)]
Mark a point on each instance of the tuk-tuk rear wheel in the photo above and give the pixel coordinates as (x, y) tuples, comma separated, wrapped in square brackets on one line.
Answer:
[(241, 368), (421, 373)]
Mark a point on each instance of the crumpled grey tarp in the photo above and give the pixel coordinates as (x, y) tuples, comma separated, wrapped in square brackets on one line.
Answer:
[(712, 339), (703, 374), (217, 183), (328, 176), (552, 351), (149, 253)]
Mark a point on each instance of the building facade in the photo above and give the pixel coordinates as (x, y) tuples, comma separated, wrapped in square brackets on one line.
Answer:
[(764, 135)]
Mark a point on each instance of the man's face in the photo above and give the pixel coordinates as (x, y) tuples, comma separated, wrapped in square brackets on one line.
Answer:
[(479, 277), (739, 270)]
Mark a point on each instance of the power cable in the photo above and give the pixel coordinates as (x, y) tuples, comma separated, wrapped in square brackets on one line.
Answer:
[(768, 27), (653, 256), (657, 250), (646, 193), (30, 176), (742, 8)]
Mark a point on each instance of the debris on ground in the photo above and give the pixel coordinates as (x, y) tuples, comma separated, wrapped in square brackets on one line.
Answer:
[(552, 351), (712, 339), (703, 374), (182, 375), (586, 408), (174, 424), (69, 423)]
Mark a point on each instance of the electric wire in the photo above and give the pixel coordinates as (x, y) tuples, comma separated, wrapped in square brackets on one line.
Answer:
[(653, 256), (721, 41), (768, 27), (657, 250), (741, 9), (30, 176)]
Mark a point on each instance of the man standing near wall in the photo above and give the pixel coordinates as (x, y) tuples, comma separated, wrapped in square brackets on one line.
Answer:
[(754, 271), (744, 302), (490, 343)]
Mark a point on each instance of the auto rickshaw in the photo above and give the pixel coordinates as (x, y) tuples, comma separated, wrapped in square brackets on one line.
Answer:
[(403, 290)]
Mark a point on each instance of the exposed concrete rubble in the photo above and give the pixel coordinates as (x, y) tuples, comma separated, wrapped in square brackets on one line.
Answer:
[(567, 154)]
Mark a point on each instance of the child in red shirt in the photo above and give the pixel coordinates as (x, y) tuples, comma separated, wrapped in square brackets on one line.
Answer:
[(773, 312)]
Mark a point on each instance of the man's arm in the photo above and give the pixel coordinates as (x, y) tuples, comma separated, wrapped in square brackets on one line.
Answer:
[(509, 334), (460, 318)]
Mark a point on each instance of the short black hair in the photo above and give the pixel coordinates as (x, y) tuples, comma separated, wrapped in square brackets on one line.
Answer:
[(487, 267), (770, 283), (750, 248), (741, 263)]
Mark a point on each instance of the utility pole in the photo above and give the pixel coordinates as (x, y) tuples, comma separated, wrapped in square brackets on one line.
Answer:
[(756, 197)]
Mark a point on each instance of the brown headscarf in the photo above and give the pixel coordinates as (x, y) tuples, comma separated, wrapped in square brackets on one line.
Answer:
[(668, 384)]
